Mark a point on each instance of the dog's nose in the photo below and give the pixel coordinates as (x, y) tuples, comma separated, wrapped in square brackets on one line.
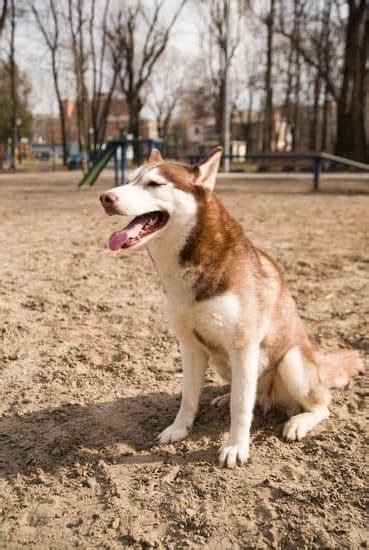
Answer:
[(108, 199)]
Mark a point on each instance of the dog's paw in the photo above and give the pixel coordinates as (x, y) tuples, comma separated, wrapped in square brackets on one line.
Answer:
[(221, 400), (230, 455), (295, 428), (172, 433)]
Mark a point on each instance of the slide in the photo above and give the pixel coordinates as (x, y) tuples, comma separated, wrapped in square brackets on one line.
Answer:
[(97, 168)]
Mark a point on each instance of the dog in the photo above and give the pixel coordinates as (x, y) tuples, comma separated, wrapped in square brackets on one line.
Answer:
[(228, 304)]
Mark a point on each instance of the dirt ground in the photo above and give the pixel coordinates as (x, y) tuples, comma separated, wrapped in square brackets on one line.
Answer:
[(90, 374)]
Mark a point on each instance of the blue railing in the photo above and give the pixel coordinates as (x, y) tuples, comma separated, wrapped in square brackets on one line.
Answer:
[(317, 160)]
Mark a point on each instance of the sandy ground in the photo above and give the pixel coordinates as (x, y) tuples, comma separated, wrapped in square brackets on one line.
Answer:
[(90, 374)]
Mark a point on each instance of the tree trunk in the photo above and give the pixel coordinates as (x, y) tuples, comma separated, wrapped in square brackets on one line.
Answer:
[(248, 126), (3, 17), (79, 65), (250, 107), (63, 133), (219, 108), (313, 138), (99, 103), (100, 126), (351, 139), (287, 100), (52, 42), (298, 12), (81, 127), (13, 85), (134, 105), (61, 110), (296, 107), (268, 118), (325, 35), (325, 120)]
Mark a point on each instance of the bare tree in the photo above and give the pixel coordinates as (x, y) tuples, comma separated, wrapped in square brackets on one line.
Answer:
[(76, 23), (304, 83), (268, 124), (86, 26), (299, 19), (328, 47), (287, 107), (252, 85), (247, 83), (166, 91), (49, 23), (88, 30), (346, 82), (13, 84), (266, 14), (218, 56), (351, 105), (100, 102), (137, 42), (3, 16)]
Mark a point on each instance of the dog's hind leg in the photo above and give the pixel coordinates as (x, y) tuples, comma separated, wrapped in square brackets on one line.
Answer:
[(298, 384), (223, 368)]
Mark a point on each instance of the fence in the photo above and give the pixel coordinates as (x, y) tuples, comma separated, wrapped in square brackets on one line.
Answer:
[(316, 159), (118, 151)]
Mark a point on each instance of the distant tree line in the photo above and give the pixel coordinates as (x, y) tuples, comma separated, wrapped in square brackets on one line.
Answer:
[(330, 41), (306, 56)]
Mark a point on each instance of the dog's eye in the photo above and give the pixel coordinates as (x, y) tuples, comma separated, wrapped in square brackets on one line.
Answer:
[(153, 184)]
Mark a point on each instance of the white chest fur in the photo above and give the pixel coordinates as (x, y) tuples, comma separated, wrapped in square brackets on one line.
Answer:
[(214, 319)]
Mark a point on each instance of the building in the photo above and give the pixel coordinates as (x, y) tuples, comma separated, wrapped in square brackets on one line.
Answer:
[(47, 128)]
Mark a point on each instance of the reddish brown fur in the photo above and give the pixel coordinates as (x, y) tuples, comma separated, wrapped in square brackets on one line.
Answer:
[(181, 175), (216, 247)]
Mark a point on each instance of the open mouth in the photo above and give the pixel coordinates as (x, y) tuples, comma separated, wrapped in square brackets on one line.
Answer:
[(139, 228)]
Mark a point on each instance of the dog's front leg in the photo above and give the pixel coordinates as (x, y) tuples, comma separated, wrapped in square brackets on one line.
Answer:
[(244, 364), (194, 365)]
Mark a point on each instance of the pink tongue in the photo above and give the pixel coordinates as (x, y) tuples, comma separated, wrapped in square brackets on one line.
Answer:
[(119, 238)]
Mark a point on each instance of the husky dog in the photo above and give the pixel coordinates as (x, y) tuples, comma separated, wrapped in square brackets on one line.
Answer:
[(227, 302)]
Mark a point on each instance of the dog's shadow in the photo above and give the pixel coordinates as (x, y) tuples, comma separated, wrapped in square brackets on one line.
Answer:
[(118, 430)]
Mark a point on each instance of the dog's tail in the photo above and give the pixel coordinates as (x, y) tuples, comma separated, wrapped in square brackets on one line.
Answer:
[(339, 367)]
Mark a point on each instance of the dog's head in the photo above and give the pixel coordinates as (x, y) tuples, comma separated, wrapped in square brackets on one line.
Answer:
[(160, 195)]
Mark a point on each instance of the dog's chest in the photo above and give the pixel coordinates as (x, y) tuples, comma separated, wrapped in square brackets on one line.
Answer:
[(213, 319)]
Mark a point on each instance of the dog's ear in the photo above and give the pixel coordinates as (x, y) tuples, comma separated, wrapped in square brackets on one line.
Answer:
[(155, 155), (206, 170)]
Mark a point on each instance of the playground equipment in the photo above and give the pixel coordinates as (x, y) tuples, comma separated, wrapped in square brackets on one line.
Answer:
[(317, 160), (116, 149)]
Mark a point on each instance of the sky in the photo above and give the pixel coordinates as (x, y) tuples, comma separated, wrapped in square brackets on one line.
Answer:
[(33, 58)]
